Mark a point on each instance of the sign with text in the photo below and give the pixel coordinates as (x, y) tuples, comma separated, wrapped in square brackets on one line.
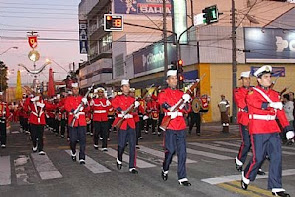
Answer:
[(141, 6), (83, 38)]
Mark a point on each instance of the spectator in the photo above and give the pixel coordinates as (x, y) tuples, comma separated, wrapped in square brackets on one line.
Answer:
[(289, 108)]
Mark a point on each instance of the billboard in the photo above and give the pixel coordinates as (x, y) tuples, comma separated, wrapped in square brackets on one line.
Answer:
[(83, 38), (277, 71), (141, 6), (151, 59), (270, 45)]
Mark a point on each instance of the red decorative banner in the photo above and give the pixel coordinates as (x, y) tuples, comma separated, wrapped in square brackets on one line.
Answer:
[(32, 41)]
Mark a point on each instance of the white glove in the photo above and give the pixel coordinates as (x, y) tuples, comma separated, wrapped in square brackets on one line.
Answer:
[(36, 98), (40, 104), (276, 105), (84, 100), (136, 104), (173, 115), (76, 116), (145, 117), (290, 135), (186, 98)]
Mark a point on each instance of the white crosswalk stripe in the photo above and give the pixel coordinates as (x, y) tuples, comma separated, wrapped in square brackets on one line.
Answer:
[(5, 170), (45, 167), (160, 154), (208, 154), (139, 163), (92, 165), (218, 148)]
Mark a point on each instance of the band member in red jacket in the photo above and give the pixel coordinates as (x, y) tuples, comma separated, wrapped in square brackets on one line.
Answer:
[(243, 120), (35, 107), (100, 107), (76, 106), (152, 111), (168, 99), (264, 107), (127, 130), (4, 114)]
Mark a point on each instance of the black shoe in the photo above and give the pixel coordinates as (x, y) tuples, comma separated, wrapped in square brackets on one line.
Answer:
[(95, 147), (164, 176), (185, 183), (119, 165), (260, 172), (82, 161), (3, 146), (137, 147), (239, 168), (244, 185), (282, 193), (41, 152), (133, 171), (74, 158)]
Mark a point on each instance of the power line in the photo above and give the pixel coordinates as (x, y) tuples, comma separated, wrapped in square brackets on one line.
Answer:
[(59, 5), (35, 17)]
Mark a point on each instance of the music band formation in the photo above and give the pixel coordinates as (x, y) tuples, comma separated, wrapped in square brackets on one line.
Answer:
[(165, 111)]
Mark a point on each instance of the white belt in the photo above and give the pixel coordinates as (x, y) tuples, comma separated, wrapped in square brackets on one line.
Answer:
[(262, 117), (126, 116), (100, 111), (79, 113), (170, 113)]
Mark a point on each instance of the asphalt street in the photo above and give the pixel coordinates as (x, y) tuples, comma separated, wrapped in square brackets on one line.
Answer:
[(210, 168)]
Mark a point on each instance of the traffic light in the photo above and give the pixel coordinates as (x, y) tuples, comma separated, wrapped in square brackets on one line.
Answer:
[(179, 66), (113, 22), (174, 65), (211, 14), (180, 80)]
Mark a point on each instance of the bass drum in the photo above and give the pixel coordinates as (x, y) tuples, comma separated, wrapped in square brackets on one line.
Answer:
[(155, 115), (196, 105)]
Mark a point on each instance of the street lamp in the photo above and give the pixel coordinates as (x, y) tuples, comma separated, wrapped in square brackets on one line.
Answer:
[(8, 50)]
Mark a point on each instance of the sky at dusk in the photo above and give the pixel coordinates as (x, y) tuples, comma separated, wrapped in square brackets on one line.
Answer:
[(53, 20)]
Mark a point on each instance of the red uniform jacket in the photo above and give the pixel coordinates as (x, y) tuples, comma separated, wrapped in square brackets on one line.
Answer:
[(122, 103), (71, 104), (100, 108), (167, 98), (139, 110), (4, 110), (37, 115), (23, 113), (257, 105), (240, 98), (152, 107), (61, 108)]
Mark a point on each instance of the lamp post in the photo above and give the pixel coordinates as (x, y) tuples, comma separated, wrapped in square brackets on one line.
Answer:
[(8, 50)]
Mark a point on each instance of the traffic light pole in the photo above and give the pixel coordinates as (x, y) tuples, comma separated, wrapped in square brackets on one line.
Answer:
[(165, 40), (234, 59)]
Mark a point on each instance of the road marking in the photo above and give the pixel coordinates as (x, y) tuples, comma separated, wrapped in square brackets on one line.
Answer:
[(213, 147), (45, 167), (5, 170), (237, 190), (160, 154), (252, 188), (24, 170), (230, 178), (91, 164), (235, 145), (208, 154), (139, 163)]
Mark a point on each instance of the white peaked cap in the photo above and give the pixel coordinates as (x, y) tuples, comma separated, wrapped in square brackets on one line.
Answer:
[(171, 73), (263, 69), (124, 82), (132, 89), (245, 74), (100, 89), (75, 85)]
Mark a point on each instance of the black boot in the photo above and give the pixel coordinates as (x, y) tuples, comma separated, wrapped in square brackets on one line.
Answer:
[(164, 175), (260, 172), (244, 185), (282, 193)]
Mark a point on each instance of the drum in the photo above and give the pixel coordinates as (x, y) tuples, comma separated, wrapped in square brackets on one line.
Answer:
[(155, 115), (196, 105)]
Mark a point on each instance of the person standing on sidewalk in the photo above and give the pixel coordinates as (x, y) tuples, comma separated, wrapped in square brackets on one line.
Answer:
[(243, 121), (4, 114), (264, 107), (175, 135), (224, 108)]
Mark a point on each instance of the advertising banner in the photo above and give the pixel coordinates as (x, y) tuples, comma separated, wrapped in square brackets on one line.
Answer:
[(83, 38), (270, 45), (141, 6), (277, 71)]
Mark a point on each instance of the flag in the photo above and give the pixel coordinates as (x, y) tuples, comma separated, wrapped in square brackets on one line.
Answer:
[(51, 86), (18, 89)]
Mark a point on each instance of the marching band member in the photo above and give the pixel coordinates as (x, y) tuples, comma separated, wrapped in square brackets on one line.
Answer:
[(175, 132), (100, 107), (76, 106), (127, 130), (264, 107), (4, 114)]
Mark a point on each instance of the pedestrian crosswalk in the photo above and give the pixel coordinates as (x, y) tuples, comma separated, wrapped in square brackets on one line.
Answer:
[(33, 168)]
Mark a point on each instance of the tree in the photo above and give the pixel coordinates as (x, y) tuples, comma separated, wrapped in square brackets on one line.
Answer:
[(3, 76)]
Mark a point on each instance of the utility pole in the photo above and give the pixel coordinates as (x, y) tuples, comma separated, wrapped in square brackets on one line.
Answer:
[(234, 59), (165, 39)]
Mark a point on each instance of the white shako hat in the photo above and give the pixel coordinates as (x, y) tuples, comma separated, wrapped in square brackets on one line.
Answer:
[(124, 82), (245, 74), (262, 70), (99, 89), (171, 73), (75, 85)]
